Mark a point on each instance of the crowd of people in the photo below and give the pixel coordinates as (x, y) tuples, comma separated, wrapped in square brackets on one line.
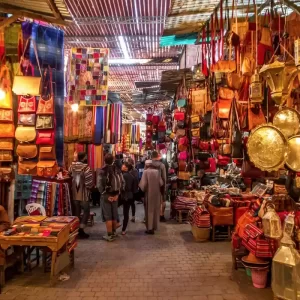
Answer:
[(121, 183)]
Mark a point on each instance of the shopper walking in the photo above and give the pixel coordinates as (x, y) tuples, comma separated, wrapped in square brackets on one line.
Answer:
[(136, 195), (82, 182), (128, 193), (110, 183), (156, 162), (151, 184)]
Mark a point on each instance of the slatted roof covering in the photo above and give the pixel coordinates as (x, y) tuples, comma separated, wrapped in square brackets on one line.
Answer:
[(51, 11), (100, 23)]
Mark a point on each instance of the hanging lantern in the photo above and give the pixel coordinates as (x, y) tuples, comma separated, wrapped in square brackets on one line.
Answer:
[(271, 223), (256, 95), (279, 77), (286, 271), (198, 75), (289, 224), (297, 52)]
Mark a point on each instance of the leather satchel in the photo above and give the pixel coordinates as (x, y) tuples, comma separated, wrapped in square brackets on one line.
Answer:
[(6, 144), (6, 103), (221, 215), (27, 168), (255, 117), (25, 134), (224, 108), (44, 122), (195, 132), (7, 130), (27, 151), (6, 115), (47, 153), (226, 93), (225, 149), (6, 155), (26, 119), (6, 174), (28, 85), (47, 168)]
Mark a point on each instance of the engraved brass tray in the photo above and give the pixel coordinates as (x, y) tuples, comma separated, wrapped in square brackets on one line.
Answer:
[(288, 121), (293, 159), (267, 147)]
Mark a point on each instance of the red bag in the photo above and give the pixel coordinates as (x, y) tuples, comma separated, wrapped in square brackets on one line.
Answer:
[(155, 119), (223, 160), (183, 141), (264, 53), (195, 142), (179, 116), (204, 146), (212, 165), (45, 137), (183, 155), (149, 117)]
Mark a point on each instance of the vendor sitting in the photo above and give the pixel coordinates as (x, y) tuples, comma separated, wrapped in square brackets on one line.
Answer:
[(205, 180)]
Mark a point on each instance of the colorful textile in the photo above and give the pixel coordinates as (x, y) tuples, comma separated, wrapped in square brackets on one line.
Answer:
[(88, 76), (85, 132)]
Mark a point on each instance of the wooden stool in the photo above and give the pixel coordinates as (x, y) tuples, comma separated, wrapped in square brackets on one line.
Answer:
[(222, 235), (236, 258), (181, 215)]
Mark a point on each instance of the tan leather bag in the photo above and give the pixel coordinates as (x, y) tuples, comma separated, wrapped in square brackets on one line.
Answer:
[(25, 134), (6, 144), (47, 168), (266, 38), (234, 81), (248, 65), (195, 132), (224, 108), (226, 93), (7, 130), (7, 101), (27, 168), (47, 152), (6, 155), (6, 174), (27, 151), (224, 66)]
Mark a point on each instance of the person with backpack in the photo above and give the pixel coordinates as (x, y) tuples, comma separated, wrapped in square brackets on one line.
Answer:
[(82, 182), (110, 183), (136, 195), (128, 193)]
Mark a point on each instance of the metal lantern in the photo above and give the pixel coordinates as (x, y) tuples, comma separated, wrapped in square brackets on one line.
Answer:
[(279, 77), (271, 223), (198, 75), (289, 224), (286, 271), (256, 95), (297, 52)]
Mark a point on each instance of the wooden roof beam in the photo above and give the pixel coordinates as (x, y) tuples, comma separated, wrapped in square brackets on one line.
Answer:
[(54, 9), (36, 16), (293, 6), (8, 21)]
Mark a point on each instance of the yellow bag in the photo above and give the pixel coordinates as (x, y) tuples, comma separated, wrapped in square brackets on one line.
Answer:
[(266, 38), (25, 134), (7, 130)]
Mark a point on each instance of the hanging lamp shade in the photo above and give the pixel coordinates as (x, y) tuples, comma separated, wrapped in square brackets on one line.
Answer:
[(256, 94), (279, 77)]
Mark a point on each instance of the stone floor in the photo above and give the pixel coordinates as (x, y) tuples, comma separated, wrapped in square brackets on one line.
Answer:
[(166, 266)]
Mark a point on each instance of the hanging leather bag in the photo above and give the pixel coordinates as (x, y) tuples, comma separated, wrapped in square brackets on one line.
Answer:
[(47, 168), (25, 134), (6, 144), (6, 115), (26, 119), (47, 153), (27, 151), (6, 155), (27, 168), (28, 85), (44, 122), (7, 130)]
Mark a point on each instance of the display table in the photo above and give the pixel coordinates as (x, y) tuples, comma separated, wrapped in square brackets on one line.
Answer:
[(58, 244)]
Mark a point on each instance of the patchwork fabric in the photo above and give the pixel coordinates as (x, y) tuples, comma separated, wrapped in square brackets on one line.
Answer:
[(88, 76)]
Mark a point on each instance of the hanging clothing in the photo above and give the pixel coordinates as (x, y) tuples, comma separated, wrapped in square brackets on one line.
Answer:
[(151, 183)]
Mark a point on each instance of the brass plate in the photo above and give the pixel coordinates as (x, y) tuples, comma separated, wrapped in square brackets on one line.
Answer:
[(293, 159), (267, 147), (288, 121)]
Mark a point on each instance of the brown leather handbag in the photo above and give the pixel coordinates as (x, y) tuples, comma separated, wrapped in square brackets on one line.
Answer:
[(255, 116), (224, 108), (47, 168), (226, 93), (47, 152), (6, 144), (6, 115), (221, 215), (6, 155), (7, 130), (25, 134), (27, 151), (6, 174), (27, 168), (234, 81)]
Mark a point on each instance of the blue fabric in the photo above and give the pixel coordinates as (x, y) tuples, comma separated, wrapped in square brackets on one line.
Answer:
[(99, 126)]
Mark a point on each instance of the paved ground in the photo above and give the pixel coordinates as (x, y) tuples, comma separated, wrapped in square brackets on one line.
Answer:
[(166, 266)]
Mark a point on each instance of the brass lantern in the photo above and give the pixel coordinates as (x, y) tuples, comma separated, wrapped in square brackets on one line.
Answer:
[(256, 95), (286, 271), (271, 223), (279, 77)]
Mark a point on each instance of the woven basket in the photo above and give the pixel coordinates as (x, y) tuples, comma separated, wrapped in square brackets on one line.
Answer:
[(200, 234)]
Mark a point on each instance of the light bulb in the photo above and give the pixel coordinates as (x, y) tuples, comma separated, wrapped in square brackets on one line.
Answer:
[(75, 107), (164, 156), (2, 94)]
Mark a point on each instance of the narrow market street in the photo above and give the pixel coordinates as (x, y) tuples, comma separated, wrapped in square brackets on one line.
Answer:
[(169, 265)]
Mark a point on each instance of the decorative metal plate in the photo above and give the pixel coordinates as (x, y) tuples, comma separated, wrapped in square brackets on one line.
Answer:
[(293, 158), (267, 147), (288, 121)]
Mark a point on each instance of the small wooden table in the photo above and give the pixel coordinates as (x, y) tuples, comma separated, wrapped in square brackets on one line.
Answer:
[(54, 243)]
